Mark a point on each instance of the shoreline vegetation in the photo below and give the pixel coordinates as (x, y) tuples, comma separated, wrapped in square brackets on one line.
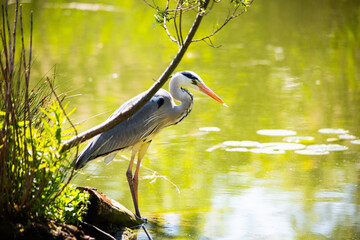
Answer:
[(36, 201), (104, 219)]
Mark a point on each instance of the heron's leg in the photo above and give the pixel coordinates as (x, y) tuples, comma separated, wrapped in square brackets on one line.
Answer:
[(141, 154), (131, 184)]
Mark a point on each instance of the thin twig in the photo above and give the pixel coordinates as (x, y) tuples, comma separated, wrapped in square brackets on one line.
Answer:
[(184, 9), (165, 26), (31, 31), (13, 160), (4, 131), (27, 111), (99, 230), (12, 55), (27, 116), (18, 84), (227, 20), (176, 27), (210, 43), (169, 34), (152, 6), (3, 41), (180, 25), (210, 7), (10, 106), (6, 51), (8, 26)]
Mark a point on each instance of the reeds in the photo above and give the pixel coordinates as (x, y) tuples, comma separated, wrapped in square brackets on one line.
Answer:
[(15, 107), (32, 168)]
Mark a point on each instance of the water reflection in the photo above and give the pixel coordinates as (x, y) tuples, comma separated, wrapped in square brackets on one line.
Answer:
[(289, 65), (263, 212)]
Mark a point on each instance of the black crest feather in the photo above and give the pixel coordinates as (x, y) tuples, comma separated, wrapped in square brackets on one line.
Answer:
[(189, 75)]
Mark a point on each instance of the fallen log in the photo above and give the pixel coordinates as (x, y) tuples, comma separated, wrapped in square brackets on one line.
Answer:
[(108, 214)]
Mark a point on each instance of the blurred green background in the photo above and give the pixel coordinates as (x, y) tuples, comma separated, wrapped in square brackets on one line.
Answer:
[(291, 65)]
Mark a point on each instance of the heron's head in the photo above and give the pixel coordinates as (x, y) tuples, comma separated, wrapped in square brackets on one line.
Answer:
[(191, 80)]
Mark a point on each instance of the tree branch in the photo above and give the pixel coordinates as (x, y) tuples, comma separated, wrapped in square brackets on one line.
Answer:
[(118, 118), (227, 20)]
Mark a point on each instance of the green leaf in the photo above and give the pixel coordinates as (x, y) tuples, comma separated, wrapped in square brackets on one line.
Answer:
[(53, 118)]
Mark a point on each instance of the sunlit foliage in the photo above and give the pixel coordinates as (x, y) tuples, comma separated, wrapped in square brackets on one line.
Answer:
[(33, 170)]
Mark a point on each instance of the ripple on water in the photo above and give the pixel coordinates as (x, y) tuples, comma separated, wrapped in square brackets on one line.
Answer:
[(347, 137), (327, 147), (241, 143), (283, 146), (311, 152), (321, 149), (210, 129), (357, 141), (333, 131), (276, 132), (299, 139), (239, 149), (267, 151)]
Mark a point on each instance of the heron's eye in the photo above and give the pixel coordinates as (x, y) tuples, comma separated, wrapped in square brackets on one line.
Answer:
[(194, 82)]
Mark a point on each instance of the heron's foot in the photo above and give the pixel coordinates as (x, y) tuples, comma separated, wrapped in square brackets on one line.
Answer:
[(144, 220)]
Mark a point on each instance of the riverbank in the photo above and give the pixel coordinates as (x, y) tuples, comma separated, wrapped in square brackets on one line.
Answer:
[(21, 229)]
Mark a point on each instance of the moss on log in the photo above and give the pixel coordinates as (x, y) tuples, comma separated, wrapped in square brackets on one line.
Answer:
[(108, 214)]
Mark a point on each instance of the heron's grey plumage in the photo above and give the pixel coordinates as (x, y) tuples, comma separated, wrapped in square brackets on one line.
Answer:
[(136, 132), (160, 112)]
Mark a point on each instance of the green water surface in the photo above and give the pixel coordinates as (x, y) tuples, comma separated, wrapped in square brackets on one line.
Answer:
[(289, 65)]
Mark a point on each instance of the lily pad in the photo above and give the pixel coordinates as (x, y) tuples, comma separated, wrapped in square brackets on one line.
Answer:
[(347, 136), (299, 139), (209, 129), (236, 149), (241, 143), (282, 146), (357, 141), (311, 152), (327, 147), (333, 131), (267, 151), (276, 132)]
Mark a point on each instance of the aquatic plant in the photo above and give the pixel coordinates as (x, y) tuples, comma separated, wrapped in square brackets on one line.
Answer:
[(34, 172)]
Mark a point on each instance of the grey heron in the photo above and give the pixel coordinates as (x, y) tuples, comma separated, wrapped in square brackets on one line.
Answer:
[(136, 132)]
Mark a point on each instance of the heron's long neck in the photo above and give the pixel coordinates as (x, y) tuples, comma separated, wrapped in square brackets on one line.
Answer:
[(182, 95)]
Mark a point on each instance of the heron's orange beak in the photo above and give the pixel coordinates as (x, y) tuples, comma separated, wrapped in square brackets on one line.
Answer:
[(210, 93)]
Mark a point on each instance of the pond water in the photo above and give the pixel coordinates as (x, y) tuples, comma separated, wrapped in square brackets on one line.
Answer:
[(281, 162)]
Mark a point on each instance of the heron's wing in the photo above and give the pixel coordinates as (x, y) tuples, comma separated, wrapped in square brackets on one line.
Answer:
[(151, 118)]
